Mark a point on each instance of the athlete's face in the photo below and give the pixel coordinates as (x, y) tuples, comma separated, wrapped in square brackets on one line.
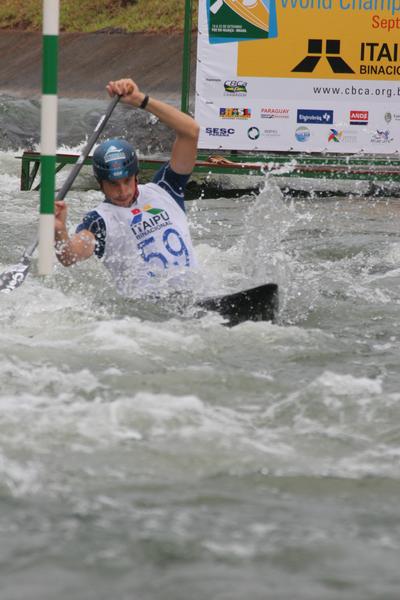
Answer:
[(121, 192)]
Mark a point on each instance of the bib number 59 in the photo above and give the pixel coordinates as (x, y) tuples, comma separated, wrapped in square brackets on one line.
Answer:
[(176, 252)]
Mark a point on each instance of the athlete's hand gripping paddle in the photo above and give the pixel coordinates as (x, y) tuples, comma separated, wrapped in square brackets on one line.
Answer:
[(15, 275)]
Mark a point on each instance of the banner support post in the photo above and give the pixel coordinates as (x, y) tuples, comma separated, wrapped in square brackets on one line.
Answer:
[(186, 63)]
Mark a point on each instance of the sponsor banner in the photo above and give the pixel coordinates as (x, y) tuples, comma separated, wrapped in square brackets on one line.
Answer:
[(315, 75)]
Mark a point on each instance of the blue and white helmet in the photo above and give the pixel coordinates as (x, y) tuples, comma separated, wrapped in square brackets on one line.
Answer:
[(114, 159)]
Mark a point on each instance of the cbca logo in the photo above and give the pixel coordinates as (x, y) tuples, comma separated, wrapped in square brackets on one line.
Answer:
[(315, 53), (314, 117), (302, 134), (253, 133), (235, 88)]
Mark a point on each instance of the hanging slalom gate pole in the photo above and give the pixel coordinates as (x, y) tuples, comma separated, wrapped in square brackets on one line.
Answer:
[(51, 12)]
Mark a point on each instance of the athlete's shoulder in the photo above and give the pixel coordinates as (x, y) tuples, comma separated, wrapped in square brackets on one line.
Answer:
[(173, 183), (91, 219)]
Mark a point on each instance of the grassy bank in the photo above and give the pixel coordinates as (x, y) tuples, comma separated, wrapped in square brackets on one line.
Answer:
[(95, 15)]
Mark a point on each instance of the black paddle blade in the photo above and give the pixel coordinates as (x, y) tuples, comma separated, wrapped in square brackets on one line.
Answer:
[(15, 275), (256, 304)]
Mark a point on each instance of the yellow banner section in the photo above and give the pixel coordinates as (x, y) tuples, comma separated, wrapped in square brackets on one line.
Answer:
[(328, 39)]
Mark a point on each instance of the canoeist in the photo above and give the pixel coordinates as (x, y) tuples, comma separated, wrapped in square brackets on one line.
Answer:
[(139, 231)]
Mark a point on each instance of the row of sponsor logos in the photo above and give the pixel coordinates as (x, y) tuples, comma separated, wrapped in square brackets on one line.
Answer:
[(305, 116), (303, 134)]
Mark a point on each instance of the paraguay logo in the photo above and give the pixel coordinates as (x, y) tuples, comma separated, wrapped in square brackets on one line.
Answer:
[(138, 213)]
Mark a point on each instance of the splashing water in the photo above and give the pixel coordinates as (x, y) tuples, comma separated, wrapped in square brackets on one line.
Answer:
[(148, 454)]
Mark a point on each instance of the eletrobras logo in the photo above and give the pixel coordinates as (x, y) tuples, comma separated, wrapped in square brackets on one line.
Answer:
[(314, 117)]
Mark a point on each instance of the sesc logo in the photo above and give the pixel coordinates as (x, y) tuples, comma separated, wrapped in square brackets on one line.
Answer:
[(220, 131), (235, 88)]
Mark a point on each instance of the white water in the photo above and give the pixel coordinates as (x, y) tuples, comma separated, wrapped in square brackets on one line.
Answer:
[(146, 454)]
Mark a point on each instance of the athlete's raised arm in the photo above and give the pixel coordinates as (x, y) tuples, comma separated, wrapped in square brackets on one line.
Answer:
[(184, 149)]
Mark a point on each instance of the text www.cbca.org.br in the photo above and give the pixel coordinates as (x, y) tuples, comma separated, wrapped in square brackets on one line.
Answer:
[(355, 90)]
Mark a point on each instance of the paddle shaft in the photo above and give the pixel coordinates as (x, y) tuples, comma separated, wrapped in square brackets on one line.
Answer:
[(79, 163)]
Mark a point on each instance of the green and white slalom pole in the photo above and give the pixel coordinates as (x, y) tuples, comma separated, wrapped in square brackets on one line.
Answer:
[(51, 16)]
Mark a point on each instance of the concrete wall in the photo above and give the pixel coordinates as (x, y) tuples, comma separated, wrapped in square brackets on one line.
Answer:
[(88, 61)]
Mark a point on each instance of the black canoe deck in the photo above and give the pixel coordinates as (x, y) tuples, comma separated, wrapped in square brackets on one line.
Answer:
[(256, 304)]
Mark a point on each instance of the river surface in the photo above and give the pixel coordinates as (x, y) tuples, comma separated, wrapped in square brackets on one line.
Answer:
[(150, 455)]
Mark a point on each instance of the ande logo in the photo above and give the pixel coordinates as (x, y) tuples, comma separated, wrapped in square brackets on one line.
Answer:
[(359, 117)]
